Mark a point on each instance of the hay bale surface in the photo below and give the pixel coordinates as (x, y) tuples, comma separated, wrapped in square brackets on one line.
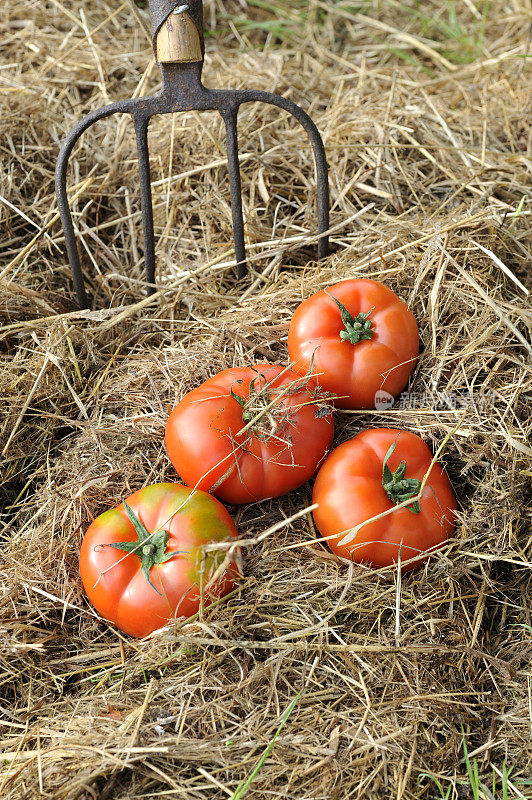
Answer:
[(426, 119)]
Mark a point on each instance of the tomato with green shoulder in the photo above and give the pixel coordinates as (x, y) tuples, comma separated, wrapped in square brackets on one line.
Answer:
[(146, 561)]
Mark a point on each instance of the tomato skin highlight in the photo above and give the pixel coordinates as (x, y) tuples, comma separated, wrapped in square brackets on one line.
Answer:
[(349, 490), (113, 579), (355, 372), (204, 440)]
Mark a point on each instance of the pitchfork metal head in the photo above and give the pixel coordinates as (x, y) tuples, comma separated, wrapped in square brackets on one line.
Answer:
[(177, 30)]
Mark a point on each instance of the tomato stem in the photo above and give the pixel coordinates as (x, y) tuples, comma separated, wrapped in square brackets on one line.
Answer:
[(397, 487), (248, 414), (357, 329), (150, 548)]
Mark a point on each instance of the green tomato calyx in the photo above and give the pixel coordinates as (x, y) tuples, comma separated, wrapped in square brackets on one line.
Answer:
[(397, 487), (357, 329), (259, 409), (150, 548)]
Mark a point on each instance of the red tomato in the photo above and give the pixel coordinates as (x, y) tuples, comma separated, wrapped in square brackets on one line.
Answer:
[(359, 338), (209, 447), (141, 591), (350, 489)]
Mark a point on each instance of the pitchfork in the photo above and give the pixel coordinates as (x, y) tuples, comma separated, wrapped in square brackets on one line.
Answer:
[(177, 31)]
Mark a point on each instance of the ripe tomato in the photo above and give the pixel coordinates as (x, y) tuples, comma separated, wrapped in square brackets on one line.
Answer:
[(358, 337), (210, 445), (368, 475), (163, 578)]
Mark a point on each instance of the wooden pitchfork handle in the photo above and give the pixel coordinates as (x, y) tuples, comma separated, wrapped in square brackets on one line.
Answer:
[(177, 31)]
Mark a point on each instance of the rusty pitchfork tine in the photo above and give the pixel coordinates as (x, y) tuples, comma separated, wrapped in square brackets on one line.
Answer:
[(177, 29)]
